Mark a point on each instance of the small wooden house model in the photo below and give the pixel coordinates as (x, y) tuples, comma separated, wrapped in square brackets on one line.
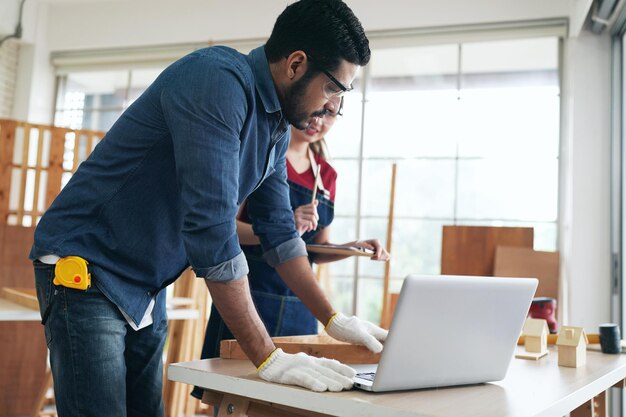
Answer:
[(536, 335), (572, 345)]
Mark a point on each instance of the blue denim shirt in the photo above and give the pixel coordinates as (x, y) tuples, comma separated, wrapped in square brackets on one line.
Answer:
[(162, 189)]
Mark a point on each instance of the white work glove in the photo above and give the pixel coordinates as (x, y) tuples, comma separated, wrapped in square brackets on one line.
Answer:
[(357, 331), (316, 374)]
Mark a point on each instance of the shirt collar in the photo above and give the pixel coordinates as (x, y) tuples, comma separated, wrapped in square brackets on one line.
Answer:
[(263, 80)]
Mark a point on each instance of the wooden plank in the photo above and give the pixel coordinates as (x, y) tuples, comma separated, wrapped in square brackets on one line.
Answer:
[(211, 397), (593, 338), (77, 136), (386, 313), (38, 168), (55, 164), (393, 301), (526, 262), (89, 146), (265, 409), (326, 346), (7, 143), (470, 250), (23, 296), (24, 171), (258, 408), (320, 346), (233, 406)]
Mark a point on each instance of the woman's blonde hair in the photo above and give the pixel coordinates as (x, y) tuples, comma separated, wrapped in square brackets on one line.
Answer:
[(320, 148)]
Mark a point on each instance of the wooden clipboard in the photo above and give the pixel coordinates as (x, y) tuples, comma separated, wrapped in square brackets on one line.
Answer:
[(339, 250)]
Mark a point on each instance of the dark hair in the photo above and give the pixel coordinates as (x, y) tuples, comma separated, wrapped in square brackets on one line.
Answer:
[(327, 30)]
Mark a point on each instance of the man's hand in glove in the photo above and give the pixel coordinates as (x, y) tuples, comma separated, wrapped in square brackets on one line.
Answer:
[(316, 374), (357, 331)]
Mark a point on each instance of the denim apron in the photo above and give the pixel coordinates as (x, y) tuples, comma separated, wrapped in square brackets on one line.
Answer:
[(280, 309)]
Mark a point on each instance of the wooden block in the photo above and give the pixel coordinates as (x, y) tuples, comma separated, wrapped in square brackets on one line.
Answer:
[(314, 345), (233, 406), (531, 355), (385, 321), (176, 302), (23, 296), (470, 250), (212, 397), (528, 263), (592, 337), (55, 164)]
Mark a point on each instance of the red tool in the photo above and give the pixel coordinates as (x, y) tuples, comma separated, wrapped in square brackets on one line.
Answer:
[(544, 308)]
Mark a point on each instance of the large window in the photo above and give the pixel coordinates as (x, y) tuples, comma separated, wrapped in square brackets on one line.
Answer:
[(94, 100), (473, 128)]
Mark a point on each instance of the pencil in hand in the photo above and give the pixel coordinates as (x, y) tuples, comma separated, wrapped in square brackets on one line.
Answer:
[(317, 178)]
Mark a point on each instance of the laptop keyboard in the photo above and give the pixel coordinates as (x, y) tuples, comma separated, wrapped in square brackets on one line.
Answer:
[(369, 376)]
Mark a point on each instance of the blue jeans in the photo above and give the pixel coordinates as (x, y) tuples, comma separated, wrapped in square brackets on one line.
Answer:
[(100, 365)]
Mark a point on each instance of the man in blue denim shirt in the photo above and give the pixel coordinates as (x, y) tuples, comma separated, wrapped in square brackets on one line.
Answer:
[(161, 192)]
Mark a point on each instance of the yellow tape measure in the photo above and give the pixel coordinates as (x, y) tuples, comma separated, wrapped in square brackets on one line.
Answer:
[(72, 272)]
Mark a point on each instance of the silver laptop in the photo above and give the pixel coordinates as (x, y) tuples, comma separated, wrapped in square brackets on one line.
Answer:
[(450, 330)]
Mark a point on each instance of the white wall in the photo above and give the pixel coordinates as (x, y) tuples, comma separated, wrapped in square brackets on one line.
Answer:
[(8, 74), (34, 90), (149, 22), (57, 25), (578, 14), (9, 51), (9, 10), (585, 199)]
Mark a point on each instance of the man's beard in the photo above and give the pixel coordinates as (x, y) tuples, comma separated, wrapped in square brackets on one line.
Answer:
[(292, 106)]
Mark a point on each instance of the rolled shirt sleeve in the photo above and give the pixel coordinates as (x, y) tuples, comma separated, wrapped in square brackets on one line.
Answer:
[(205, 107), (285, 251), (226, 271)]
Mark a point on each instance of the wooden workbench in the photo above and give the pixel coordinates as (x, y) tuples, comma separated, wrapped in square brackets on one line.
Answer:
[(531, 388)]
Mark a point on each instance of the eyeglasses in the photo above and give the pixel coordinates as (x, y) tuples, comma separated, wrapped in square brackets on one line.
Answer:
[(340, 109), (329, 90), (332, 114)]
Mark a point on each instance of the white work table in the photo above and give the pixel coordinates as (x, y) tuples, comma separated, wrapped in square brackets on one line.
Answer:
[(10, 311), (531, 388)]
